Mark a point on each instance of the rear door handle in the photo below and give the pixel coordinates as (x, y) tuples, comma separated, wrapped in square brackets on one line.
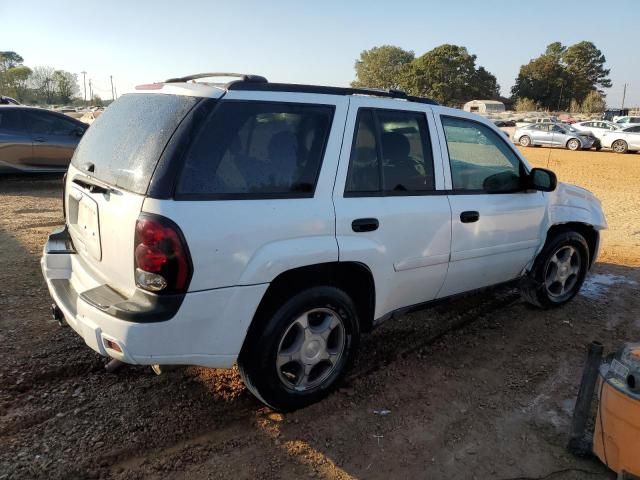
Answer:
[(469, 216), (365, 225)]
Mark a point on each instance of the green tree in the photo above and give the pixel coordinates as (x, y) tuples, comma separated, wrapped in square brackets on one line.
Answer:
[(544, 80), (65, 85), (382, 67), (9, 60), (555, 50), (584, 64), (593, 102), (14, 81), (449, 75), (561, 74), (12, 74)]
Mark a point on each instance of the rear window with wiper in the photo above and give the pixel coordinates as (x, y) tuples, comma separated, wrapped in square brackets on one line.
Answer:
[(123, 146)]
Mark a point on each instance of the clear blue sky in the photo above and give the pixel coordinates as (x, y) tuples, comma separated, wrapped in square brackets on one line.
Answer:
[(308, 42)]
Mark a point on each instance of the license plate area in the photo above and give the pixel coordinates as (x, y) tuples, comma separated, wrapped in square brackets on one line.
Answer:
[(87, 225)]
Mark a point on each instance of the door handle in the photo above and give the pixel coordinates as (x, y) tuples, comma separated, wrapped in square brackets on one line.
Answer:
[(469, 216), (40, 139), (365, 225)]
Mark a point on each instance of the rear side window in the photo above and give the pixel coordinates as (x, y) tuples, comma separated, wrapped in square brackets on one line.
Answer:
[(10, 121), (257, 150), (42, 123), (124, 144), (391, 154)]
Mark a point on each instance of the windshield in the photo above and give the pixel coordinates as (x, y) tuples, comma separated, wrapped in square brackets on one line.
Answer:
[(124, 144)]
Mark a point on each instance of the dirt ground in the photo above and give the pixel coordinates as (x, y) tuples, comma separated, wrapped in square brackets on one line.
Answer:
[(481, 387)]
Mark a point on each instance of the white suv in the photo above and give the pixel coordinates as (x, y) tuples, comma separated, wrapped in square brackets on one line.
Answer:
[(271, 224)]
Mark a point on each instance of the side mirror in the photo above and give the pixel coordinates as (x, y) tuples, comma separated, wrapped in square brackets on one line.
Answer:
[(543, 180), (78, 132)]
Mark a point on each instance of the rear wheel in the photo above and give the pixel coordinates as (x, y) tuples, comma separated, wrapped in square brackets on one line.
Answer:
[(573, 144), (620, 146), (525, 141), (303, 350), (558, 272)]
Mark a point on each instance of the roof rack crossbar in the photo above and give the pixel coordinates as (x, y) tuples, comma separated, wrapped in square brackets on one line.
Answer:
[(244, 77)]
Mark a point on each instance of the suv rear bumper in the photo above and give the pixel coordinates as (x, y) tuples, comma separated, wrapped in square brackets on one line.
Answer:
[(207, 329)]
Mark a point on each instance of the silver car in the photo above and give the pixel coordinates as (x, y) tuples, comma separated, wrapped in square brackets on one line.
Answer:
[(555, 135)]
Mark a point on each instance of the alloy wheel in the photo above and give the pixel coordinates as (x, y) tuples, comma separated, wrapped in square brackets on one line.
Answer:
[(562, 272), (619, 146), (311, 349)]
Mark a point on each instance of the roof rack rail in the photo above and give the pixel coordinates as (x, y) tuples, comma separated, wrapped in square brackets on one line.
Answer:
[(300, 88), (243, 77)]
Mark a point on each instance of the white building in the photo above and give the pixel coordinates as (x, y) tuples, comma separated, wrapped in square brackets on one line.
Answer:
[(484, 106)]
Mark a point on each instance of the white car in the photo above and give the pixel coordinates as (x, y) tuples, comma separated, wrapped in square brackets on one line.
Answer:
[(597, 127), (272, 224), (627, 121), (622, 140)]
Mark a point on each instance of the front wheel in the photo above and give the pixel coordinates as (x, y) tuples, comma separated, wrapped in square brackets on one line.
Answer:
[(619, 146), (525, 141), (303, 350), (573, 144), (558, 272)]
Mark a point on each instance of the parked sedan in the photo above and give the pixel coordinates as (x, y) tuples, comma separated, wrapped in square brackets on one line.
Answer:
[(554, 135), (627, 121), (36, 140), (597, 127), (623, 140)]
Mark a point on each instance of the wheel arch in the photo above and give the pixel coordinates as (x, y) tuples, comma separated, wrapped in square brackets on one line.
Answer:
[(354, 278), (590, 234)]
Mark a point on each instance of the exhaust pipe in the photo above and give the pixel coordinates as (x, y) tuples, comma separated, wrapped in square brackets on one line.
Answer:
[(579, 443), (57, 314), (113, 365)]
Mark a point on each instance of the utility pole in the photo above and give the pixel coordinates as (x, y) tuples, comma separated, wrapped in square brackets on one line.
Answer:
[(115, 90), (90, 92), (624, 94), (84, 80), (113, 95)]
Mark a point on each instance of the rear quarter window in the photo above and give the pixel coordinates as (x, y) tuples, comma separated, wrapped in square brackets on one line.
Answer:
[(124, 144), (257, 150)]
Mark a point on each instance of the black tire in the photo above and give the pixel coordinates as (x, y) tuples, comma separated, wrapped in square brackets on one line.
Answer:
[(257, 362), (620, 146), (534, 287), (525, 141), (574, 144)]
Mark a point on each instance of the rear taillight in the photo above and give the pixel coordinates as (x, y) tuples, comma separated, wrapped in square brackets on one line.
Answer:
[(161, 256)]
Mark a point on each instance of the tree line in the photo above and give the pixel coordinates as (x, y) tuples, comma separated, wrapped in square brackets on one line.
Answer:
[(562, 78), (37, 85)]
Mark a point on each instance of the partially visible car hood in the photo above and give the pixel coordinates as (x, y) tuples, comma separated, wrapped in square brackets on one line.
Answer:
[(570, 203)]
